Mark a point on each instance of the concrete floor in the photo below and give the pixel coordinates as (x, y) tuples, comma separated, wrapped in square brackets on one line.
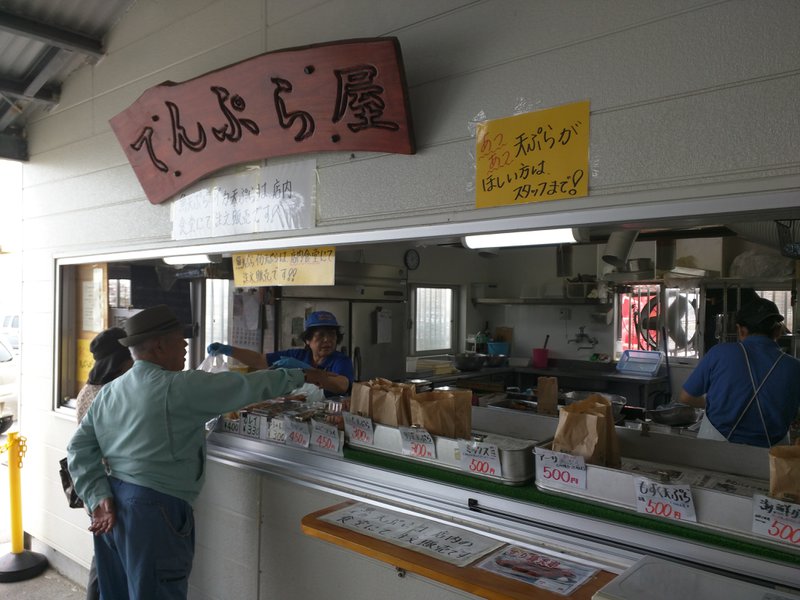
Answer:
[(50, 585)]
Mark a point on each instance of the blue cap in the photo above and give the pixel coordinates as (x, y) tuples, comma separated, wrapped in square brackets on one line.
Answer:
[(321, 318)]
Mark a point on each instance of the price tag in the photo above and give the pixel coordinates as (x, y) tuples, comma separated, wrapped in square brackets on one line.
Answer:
[(252, 425), (277, 432), (664, 500), (560, 469), (324, 437), (417, 442), (776, 520), (479, 458), (359, 429), (297, 433)]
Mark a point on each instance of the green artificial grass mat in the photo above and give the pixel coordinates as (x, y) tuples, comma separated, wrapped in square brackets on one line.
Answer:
[(530, 493)]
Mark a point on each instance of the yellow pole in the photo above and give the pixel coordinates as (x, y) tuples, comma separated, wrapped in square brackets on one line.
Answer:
[(15, 455)]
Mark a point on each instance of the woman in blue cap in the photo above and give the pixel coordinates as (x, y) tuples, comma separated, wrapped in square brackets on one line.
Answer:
[(322, 334)]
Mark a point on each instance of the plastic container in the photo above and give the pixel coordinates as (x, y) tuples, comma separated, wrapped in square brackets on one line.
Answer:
[(539, 358), (640, 362), (496, 348)]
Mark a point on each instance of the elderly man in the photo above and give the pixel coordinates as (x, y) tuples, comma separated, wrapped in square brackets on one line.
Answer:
[(148, 426)]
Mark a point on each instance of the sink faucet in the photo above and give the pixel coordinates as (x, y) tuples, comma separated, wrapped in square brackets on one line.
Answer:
[(582, 337)]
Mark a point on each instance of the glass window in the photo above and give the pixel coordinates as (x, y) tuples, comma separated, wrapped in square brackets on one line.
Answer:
[(433, 310)]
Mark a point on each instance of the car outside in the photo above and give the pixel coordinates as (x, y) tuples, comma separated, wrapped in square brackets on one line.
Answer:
[(9, 379), (9, 329)]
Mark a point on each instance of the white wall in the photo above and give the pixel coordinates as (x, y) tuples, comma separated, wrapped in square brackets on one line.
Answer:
[(691, 102)]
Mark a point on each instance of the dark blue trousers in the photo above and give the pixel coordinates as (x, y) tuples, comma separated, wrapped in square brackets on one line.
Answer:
[(148, 555)]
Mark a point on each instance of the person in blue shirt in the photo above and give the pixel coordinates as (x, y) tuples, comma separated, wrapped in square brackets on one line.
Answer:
[(322, 334), (750, 389)]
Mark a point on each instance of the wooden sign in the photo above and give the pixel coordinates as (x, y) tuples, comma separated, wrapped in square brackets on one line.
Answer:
[(297, 266), (532, 157), (348, 96)]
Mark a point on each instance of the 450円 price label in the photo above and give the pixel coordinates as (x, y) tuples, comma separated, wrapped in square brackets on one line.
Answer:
[(664, 500)]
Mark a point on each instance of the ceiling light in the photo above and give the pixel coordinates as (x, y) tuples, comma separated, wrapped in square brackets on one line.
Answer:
[(535, 237), (188, 259)]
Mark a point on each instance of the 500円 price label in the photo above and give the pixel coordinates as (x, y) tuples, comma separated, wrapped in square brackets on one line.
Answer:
[(417, 442), (560, 469), (664, 500), (776, 520), (480, 458)]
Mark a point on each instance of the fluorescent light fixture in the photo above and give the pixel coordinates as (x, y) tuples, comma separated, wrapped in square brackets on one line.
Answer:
[(535, 237), (188, 259)]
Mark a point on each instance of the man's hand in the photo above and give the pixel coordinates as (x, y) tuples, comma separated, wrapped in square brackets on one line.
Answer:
[(104, 517)]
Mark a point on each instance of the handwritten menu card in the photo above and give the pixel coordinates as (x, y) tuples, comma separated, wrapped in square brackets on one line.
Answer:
[(444, 542), (533, 157)]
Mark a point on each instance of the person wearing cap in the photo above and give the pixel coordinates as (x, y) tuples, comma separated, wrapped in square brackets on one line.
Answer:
[(148, 426), (111, 359), (750, 389), (321, 334)]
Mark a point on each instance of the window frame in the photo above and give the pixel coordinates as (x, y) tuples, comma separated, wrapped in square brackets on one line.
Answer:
[(412, 342)]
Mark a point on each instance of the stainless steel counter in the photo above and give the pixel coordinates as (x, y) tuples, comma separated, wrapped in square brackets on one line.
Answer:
[(614, 544)]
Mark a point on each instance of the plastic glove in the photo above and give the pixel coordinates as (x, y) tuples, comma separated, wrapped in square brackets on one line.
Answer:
[(217, 348), (290, 363)]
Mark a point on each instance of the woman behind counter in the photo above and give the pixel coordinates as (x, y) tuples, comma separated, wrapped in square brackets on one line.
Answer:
[(751, 387), (322, 334)]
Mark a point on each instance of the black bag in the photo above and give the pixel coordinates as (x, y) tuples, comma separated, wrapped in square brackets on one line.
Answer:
[(68, 485)]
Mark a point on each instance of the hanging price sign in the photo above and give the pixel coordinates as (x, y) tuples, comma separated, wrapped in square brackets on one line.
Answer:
[(560, 469), (664, 500), (480, 458), (324, 437), (776, 520), (359, 429), (417, 442), (297, 433)]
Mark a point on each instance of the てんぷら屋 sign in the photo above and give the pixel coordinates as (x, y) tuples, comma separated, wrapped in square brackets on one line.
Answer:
[(348, 96)]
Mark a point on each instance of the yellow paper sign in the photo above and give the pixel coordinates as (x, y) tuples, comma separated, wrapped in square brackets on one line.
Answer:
[(533, 157), (297, 266), (85, 361)]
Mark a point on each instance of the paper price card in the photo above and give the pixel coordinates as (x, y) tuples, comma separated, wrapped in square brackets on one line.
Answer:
[(417, 442), (252, 425), (776, 520), (296, 266), (277, 431), (533, 157), (324, 437), (297, 433), (664, 500), (560, 469), (480, 458), (359, 429)]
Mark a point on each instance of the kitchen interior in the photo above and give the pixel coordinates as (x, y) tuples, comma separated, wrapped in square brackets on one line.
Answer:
[(578, 307)]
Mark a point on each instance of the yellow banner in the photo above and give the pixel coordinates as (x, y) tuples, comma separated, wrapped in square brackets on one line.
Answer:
[(85, 362), (298, 266), (533, 157)]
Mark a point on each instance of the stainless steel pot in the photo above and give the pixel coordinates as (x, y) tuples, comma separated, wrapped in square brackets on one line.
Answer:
[(675, 414), (496, 360), (469, 361)]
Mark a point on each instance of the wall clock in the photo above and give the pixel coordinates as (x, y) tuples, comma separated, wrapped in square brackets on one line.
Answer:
[(411, 259)]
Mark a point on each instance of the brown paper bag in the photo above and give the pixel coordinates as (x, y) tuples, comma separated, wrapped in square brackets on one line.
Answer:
[(361, 399), (445, 414), (547, 395), (391, 403), (784, 473), (586, 428)]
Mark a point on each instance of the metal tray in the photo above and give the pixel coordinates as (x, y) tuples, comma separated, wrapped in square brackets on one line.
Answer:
[(723, 501), (514, 437)]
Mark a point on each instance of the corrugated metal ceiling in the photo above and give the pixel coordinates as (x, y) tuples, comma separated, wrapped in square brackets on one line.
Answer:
[(41, 43)]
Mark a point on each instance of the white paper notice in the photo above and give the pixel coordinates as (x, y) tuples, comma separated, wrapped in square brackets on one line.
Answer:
[(480, 458), (776, 520), (560, 469), (267, 199), (673, 502)]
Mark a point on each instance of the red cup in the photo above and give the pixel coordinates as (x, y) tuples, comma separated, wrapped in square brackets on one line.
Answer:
[(539, 358)]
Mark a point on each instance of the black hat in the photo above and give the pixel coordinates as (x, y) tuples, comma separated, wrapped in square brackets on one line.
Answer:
[(756, 312), (149, 323), (109, 355)]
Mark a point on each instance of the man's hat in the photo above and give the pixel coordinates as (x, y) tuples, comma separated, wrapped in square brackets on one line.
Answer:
[(321, 318), (149, 323), (756, 312)]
